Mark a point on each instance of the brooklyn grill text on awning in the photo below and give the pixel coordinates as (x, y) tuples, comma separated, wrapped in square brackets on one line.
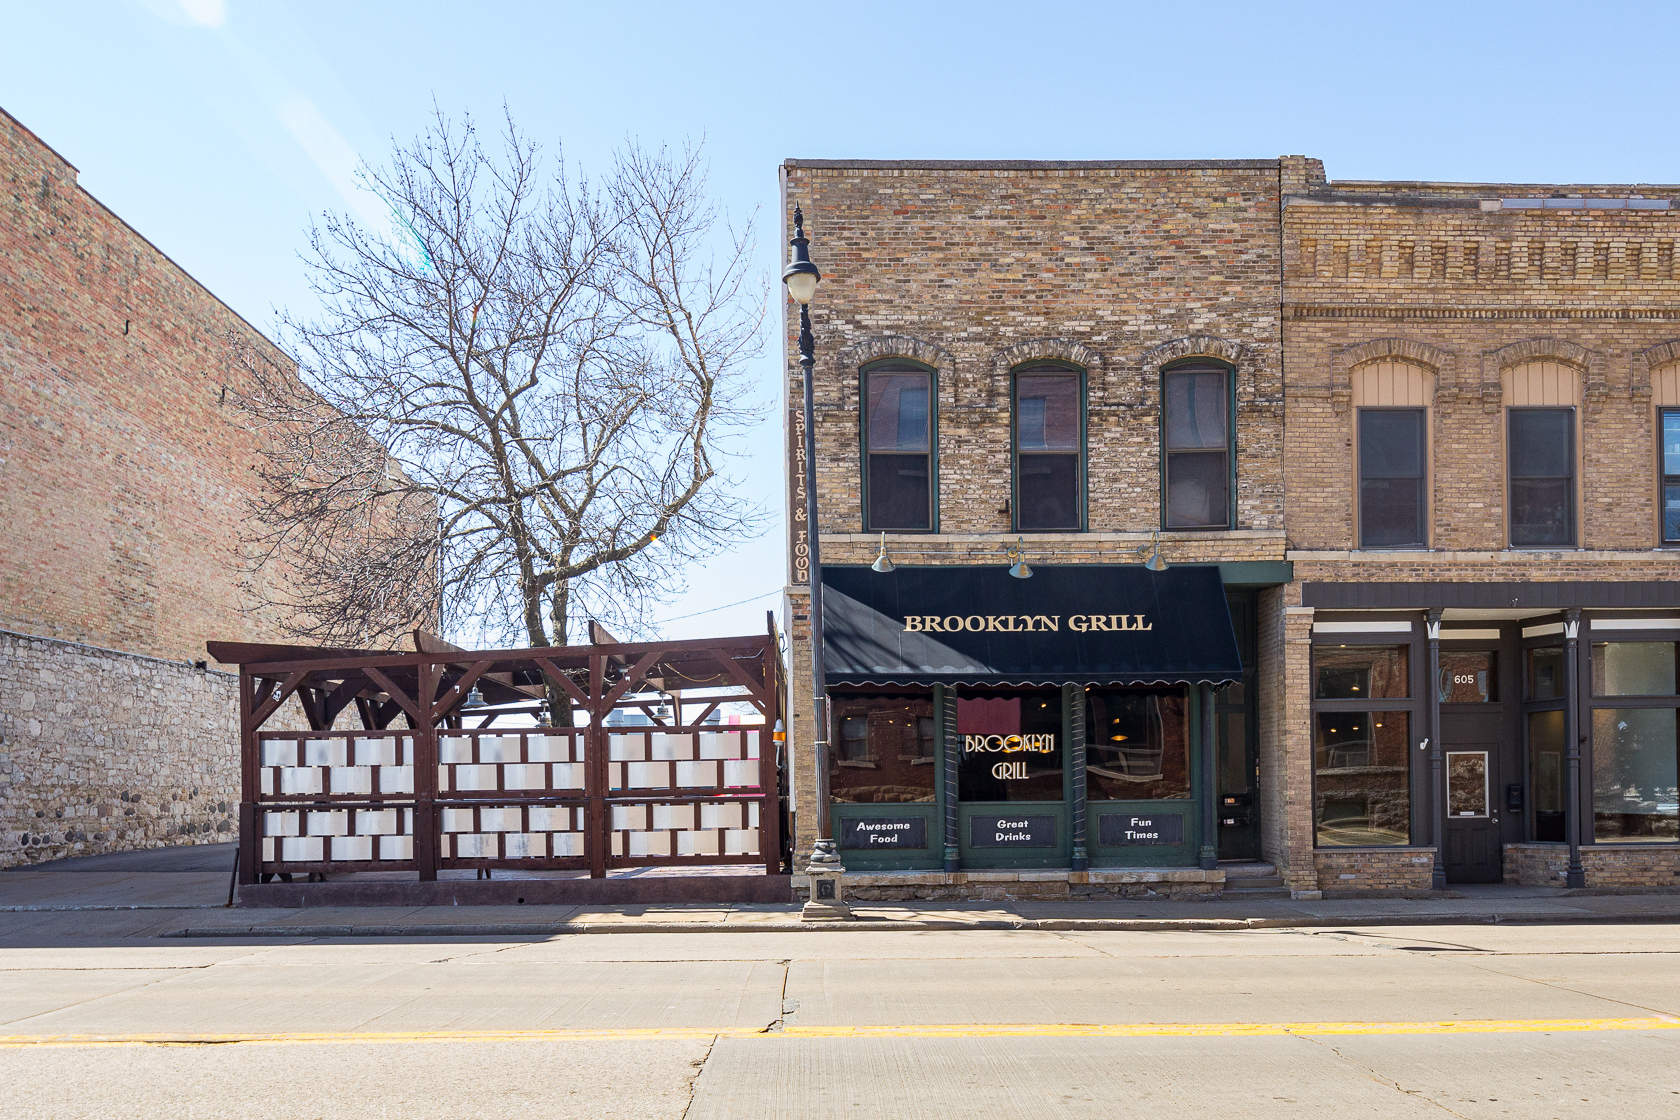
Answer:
[(1068, 624)]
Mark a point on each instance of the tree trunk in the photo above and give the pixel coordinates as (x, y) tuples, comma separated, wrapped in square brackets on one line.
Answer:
[(559, 704)]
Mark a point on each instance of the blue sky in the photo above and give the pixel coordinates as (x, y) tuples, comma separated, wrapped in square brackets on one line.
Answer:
[(217, 129)]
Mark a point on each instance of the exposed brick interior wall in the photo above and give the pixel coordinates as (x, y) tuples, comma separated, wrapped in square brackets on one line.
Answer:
[(124, 468)]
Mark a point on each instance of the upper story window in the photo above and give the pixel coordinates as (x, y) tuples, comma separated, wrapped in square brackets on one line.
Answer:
[(1391, 402), (1049, 448), (1668, 422), (1542, 476), (1196, 446), (1540, 453), (898, 442)]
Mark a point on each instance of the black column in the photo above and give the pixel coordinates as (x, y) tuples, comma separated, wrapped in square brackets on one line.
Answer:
[(1437, 759), (1573, 737), (1073, 702), (1210, 783), (950, 750)]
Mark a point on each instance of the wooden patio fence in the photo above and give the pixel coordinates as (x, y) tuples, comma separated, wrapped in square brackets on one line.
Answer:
[(415, 789)]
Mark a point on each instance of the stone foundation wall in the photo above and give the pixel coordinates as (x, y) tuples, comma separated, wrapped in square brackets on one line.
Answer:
[(1166, 884), (107, 752), (1606, 865), (1389, 869)]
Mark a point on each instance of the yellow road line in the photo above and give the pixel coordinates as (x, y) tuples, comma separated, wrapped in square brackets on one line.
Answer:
[(950, 1030)]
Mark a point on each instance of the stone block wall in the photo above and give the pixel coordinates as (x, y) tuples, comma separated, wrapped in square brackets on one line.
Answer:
[(1388, 869), (1605, 865), (106, 752)]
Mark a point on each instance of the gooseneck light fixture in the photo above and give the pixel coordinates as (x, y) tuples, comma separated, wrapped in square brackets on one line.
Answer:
[(882, 563), (801, 278), (1155, 563), (1014, 553)]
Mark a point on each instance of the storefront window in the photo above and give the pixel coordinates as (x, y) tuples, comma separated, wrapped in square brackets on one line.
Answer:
[(1361, 795), (1635, 756), (1360, 673), (1137, 745), (1545, 673), (884, 749), (1633, 668), (1012, 745), (1545, 752), (1468, 677)]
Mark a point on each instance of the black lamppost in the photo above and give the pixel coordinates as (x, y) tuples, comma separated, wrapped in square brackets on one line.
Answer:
[(801, 277)]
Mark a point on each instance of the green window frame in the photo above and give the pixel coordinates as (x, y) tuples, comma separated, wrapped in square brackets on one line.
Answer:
[(1040, 447), (1195, 457)]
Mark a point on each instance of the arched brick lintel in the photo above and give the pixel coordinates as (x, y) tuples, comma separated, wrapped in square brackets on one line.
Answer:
[(1436, 360), (1226, 350), (1040, 350), (1648, 362), (1590, 363), (1531, 349), (850, 359)]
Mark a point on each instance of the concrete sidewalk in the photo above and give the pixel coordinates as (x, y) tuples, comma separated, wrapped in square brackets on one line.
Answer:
[(173, 893)]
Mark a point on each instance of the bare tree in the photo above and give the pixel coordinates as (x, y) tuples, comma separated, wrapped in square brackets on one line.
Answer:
[(513, 413)]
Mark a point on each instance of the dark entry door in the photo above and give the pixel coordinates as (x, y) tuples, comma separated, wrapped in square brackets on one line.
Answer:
[(1473, 852)]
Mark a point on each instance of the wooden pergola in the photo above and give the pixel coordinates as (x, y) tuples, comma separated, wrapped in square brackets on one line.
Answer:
[(500, 701)]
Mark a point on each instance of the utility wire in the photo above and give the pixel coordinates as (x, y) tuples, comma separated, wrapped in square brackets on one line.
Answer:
[(713, 610)]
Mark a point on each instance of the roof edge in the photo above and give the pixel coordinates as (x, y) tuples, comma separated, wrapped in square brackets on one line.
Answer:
[(1035, 164)]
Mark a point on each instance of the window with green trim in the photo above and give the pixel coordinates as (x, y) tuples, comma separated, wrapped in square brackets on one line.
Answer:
[(1196, 446), (898, 441), (1049, 449)]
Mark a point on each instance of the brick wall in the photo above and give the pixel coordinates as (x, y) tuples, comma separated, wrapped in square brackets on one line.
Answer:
[(1392, 869), (1605, 865), (124, 470), (1420, 273), (974, 269), (103, 751)]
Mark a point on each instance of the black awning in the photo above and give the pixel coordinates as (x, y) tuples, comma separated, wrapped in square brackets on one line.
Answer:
[(1068, 624)]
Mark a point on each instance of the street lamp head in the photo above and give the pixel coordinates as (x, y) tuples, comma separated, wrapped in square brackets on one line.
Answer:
[(801, 276)]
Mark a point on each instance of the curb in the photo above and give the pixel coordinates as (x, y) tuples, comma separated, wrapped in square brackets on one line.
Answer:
[(1048, 925)]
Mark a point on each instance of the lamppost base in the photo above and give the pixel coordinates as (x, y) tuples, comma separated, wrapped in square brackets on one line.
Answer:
[(825, 903), (1574, 880)]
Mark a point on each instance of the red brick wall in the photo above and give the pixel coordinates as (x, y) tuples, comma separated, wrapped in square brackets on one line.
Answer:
[(124, 471)]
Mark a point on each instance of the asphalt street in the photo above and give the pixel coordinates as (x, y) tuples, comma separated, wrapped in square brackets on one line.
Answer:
[(1476, 1021)]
